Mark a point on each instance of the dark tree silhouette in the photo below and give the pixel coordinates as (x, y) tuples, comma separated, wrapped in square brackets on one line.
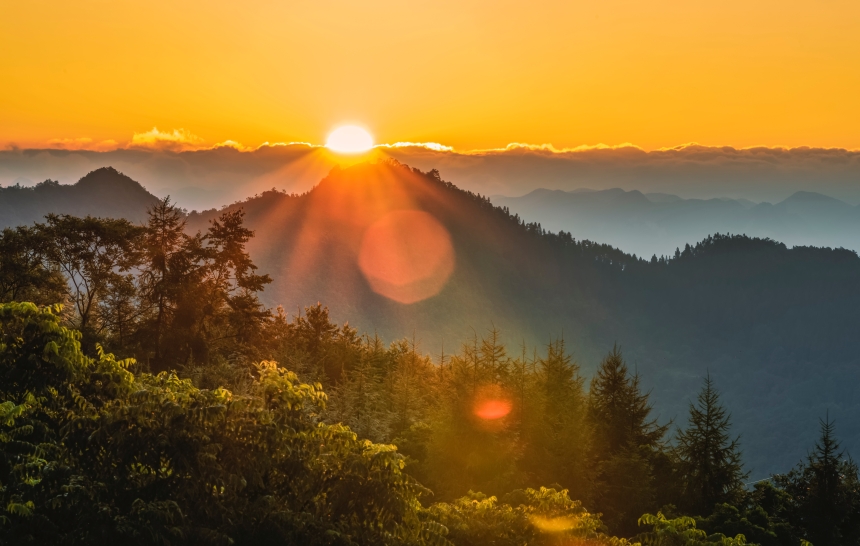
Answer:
[(710, 460)]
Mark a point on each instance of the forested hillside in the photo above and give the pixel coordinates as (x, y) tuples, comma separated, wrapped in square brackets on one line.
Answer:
[(227, 422), (774, 325)]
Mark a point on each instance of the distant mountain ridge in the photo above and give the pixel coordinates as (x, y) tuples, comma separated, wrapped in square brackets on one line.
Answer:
[(104, 192), (658, 223)]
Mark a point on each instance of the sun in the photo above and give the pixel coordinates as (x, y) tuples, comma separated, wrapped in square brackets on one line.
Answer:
[(349, 139)]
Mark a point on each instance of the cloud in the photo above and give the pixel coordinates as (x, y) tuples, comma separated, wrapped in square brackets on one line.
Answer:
[(549, 148), (203, 176), (82, 143), (435, 146), (179, 140)]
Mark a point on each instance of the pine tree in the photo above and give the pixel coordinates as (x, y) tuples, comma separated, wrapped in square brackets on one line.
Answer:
[(826, 493), (619, 411), (710, 460), (626, 443), (563, 432), (167, 265)]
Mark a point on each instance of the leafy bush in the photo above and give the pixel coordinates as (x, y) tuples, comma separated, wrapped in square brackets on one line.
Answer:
[(92, 454)]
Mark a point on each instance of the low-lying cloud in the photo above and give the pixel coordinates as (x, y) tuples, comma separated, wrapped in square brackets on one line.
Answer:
[(177, 140), (82, 143), (200, 176)]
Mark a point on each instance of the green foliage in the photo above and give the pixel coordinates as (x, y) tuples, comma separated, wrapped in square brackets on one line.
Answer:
[(92, 454), (825, 492), (538, 517), (154, 292), (681, 531), (25, 274), (221, 450)]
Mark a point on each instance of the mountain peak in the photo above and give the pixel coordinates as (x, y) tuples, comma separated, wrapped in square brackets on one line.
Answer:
[(103, 192), (810, 197), (107, 178)]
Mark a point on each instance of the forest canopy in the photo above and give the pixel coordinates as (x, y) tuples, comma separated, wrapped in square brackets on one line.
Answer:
[(147, 396)]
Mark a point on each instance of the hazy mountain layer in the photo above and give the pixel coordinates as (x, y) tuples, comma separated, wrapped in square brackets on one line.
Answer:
[(657, 223), (103, 192)]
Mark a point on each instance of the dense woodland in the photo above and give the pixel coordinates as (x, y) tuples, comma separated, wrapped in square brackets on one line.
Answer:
[(147, 396), (775, 326)]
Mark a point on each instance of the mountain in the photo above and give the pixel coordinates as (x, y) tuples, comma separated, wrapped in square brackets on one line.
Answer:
[(404, 254), (103, 192), (774, 326), (658, 223)]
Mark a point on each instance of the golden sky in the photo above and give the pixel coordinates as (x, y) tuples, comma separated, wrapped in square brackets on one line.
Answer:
[(470, 74)]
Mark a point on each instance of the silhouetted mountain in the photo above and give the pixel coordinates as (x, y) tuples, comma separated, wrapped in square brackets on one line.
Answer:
[(776, 326), (103, 192), (657, 223)]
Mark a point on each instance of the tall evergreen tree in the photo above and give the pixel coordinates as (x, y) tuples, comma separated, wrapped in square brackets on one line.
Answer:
[(619, 411), (626, 444), (562, 437), (710, 461), (826, 493), (167, 265)]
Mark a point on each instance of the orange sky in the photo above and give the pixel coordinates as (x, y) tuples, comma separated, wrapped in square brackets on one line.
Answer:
[(470, 74)]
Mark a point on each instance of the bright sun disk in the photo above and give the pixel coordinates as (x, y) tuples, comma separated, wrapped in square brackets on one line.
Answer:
[(349, 139)]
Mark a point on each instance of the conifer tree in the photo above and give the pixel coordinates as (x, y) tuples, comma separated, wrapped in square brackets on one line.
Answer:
[(359, 401), (710, 461), (619, 411), (166, 265), (626, 442), (826, 493), (563, 433)]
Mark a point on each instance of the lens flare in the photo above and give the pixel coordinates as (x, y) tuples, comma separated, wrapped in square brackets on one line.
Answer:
[(553, 525), (406, 256), (492, 409), (491, 403)]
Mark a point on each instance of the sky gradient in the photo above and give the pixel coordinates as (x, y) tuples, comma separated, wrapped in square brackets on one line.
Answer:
[(468, 74)]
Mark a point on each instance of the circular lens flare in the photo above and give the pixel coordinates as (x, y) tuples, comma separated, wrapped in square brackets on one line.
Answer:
[(492, 409), (490, 405), (349, 139), (406, 256)]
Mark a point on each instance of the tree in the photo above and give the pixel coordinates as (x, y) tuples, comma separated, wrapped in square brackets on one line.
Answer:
[(167, 264), (681, 531), (470, 449), (25, 273), (559, 439), (760, 515), (540, 517), (200, 291), (92, 253), (619, 411), (826, 493), (626, 444), (93, 454), (710, 461)]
